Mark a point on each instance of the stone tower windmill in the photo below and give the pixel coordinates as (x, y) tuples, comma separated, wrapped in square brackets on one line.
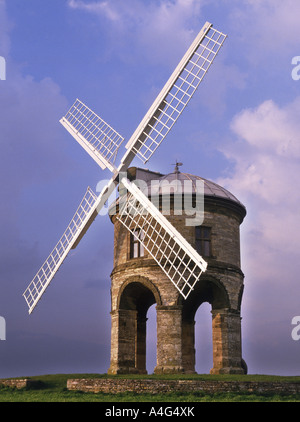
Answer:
[(137, 282), (178, 253)]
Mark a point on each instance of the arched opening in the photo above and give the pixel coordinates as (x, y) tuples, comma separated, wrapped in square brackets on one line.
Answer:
[(197, 343), (203, 339), (135, 299)]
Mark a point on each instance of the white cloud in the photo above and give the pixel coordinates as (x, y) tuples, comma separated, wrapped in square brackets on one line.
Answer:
[(271, 128), (151, 26), (268, 151), (101, 8), (267, 27), (265, 176)]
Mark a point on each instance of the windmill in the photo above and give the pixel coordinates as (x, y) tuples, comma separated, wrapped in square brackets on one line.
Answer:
[(175, 256)]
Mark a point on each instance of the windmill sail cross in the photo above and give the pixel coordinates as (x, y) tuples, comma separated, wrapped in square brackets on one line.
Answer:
[(102, 143)]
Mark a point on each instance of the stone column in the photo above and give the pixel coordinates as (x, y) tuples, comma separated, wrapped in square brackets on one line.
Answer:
[(188, 346), (226, 333), (141, 345), (169, 339), (123, 342)]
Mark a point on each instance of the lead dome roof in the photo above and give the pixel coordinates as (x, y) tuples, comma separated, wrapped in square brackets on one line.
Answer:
[(187, 184)]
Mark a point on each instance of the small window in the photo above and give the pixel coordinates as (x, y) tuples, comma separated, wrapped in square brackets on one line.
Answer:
[(136, 248), (203, 240)]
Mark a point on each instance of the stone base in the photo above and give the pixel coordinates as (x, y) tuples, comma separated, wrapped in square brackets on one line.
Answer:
[(168, 370), (125, 370), (238, 371), (154, 386), (20, 383)]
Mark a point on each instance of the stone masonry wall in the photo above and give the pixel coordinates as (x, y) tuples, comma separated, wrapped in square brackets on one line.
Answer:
[(115, 386), (138, 283), (17, 383)]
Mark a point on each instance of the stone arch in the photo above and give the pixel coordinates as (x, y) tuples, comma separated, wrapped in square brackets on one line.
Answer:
[(135, 296), (225, 326), (207, 289), (138, 292)]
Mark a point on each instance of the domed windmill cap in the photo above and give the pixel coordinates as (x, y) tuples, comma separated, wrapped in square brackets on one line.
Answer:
[(211, 189), (179, 182)]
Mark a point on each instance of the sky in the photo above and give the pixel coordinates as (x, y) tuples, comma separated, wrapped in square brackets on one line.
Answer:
[(241, 130)]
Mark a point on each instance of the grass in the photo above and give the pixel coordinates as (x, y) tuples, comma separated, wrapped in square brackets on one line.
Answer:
[(52, 388)]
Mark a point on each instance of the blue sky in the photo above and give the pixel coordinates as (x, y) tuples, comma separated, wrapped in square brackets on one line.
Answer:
[(240, 130)]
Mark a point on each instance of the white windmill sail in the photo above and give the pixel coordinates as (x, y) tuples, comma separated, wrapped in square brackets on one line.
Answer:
[(82, 219), (175, 256), (96, 136), (102, 142), (176, 93)]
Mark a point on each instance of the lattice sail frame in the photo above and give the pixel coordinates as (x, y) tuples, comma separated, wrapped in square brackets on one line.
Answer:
[(96, 136), (47, 271), (177, 93), (85, 214), (174, 255), (102, 142)]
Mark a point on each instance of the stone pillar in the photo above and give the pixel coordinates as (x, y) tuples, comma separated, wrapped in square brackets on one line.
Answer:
[(169, 339), (141, 345), (188, 346), (123, 342), (226, 333)]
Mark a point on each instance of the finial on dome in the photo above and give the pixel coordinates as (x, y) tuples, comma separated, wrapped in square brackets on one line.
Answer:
[(177, 165)]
